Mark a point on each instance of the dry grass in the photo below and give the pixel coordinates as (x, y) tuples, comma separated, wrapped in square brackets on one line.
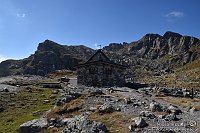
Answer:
[(187, 76), (68, 110), (62, 73), (116, 122), (184, 102)]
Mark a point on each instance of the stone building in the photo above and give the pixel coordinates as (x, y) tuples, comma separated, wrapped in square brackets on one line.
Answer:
[(99, 70)]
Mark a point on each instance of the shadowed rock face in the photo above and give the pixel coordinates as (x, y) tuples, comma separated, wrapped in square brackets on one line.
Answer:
[(48, 57), (152, 51)]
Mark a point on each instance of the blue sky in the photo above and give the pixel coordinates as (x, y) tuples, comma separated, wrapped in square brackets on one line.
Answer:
[(25, 23)]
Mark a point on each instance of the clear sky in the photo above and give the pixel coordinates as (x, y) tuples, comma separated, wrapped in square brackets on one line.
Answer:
[(25, 23)]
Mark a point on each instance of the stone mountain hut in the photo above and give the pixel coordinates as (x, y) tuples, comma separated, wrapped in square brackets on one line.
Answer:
[(100, 71)]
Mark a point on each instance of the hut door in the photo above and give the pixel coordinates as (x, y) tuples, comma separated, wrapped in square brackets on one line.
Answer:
[(95, 81)]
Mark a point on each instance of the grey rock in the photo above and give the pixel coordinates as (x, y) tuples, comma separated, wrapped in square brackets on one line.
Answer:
[(140, 122), (92, 109), (132, 127), (174, 109), (111, 90), (171, 117), (80, 124), (164, 90), (106, 108), (55, 92), (67, 97), (154, 106), (75, 94), (186, 94), (128, 100), (46, 101), (163, 130), (192, 110), (161, 116), (33, 126), (66, 121), (178, 93), (137, 103), (147, 114), (7, 88)]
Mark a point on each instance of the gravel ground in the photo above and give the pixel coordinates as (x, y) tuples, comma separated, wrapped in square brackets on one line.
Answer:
[(23, 78), (188, 122)]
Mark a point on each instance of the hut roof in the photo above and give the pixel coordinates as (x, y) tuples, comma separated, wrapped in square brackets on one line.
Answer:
[(100, 58)]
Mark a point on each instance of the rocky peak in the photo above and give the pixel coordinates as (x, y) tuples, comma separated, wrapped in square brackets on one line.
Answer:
[(170, 34), (152, 36), (48, 45), (114, 46), (148, 38)]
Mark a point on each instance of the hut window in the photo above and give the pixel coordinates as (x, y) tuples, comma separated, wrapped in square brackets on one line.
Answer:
[(92, 70), (108, 71)]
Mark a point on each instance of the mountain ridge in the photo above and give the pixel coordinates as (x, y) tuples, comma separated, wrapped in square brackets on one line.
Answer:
[(152, 51)]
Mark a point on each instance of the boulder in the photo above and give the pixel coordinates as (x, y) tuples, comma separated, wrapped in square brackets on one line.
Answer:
[(138, 103), (73, 93), (140, 122), (171, 117), (81, 124), (67, 97), (46, 101), (93, 109), (33, 126), (54, 122), (147, 114), (55, 91), (154, 106), (192, 110), (132, 127), (164, 90), (66, 121), (106, 108), (178, 93), (128, 100), (174, 109), (110, 90), (186, 94)]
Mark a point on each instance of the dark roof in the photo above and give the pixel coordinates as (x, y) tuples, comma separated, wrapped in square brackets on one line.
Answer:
[(100, 57)]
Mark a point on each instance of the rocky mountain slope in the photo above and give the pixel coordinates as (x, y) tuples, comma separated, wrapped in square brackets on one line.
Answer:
[(48, 57), (155, 54), (171, 49), (152, 52)]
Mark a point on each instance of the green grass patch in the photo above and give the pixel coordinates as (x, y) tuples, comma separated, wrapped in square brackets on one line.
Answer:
[(25, 105)]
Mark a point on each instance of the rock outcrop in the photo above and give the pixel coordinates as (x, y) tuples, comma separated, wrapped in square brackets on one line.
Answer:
[(33, 126), (82, 124)]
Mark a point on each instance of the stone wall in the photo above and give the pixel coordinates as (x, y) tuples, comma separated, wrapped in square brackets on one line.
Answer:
[(100, 75)]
